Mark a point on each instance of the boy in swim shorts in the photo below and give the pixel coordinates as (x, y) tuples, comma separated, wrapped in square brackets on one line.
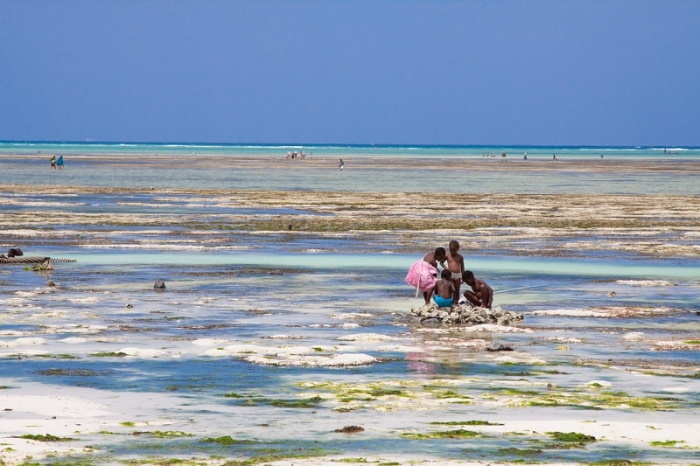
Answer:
[(455, 264), (443, 292)]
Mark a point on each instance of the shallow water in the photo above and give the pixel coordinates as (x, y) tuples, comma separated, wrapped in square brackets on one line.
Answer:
[(367, 168), (216, 354), (165, 342)]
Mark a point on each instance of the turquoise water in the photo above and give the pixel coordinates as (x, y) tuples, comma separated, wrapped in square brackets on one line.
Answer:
[(189, 167), (333, 150), (399, 263)]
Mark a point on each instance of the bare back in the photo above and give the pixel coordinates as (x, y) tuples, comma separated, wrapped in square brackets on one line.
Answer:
[(444, 288)]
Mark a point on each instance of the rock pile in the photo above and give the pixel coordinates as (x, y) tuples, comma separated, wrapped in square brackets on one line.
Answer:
[(465, 314)]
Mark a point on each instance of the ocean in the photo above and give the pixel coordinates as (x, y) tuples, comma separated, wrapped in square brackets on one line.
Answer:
[(347, 150), (451, 169)]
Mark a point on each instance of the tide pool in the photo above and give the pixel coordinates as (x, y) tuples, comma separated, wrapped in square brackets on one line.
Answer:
[(493, 266)]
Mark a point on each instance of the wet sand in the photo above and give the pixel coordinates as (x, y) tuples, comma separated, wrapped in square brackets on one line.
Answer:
[(562, 225)]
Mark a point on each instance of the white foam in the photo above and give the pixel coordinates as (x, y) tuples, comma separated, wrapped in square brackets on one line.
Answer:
[(145, 353), (334, 360), (568, 313), (644, 283), (209, 342), (633, 336), (74, 340), (26, 341), (493, 328), (365, 337)]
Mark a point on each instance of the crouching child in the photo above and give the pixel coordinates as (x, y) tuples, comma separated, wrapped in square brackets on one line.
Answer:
[(443, 291)]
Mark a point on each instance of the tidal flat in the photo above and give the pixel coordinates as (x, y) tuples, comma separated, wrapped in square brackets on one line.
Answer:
[(284, 333)]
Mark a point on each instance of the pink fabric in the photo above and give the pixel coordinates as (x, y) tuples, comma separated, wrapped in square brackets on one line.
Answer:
[(422, 275)]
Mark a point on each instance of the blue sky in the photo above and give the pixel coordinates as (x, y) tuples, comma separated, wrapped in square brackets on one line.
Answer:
[(387, 72)]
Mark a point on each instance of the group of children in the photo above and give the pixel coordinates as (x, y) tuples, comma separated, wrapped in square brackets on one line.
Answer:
[(445, 290)]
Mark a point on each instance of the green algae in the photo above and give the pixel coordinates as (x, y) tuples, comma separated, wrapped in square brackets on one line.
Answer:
[(109, 354), (307, 403), (587, 397), (512, 451), (74, 461), (227, 440), (160, 461), (54, 356), (667, 443), (250, 400), (446, 434), (163, 434), (380, 392), (46, 438), (594, 401), (571, 437), (618, 462), (518, 392), (467, 423), (449, 394)]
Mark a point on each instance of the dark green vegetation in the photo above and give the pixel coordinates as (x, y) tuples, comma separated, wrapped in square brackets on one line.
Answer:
[(246, 400), (46, 438), (467, 423), (451, 434), (571, 437)]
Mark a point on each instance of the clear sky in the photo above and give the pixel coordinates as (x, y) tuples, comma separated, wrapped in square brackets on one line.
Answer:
[(538, 72)]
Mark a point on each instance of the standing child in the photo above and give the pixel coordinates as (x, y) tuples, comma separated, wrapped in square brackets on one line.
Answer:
[(443, 292), (455, 264), (481, 294)]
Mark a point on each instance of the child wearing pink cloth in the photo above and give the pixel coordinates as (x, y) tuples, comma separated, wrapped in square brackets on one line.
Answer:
[(423, 273)]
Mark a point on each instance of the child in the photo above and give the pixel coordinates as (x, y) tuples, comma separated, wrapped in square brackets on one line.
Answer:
[(482, 294), (423, 273), (443, 292), (455, 264)]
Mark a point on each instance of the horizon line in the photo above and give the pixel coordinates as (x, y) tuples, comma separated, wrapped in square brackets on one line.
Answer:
[(341, 144)]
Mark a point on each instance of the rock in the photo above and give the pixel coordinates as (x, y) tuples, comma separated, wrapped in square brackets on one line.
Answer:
[(499, 347), (350, 430), (14, 252), (465, 314), (159, 284)]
